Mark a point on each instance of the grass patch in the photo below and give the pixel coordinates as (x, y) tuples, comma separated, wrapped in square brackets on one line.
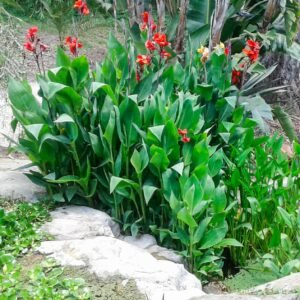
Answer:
[(247, 279)]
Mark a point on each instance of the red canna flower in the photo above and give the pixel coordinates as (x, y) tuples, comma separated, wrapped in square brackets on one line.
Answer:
[(73, 44), (236, 77), (68, 40), (165, 54), (253, 45), (81, 7), (150, 45), (145, 17), (30, 47), (185, 139), (252, 51), (252, 54), (226, 51), (143, 26), (153, 26), (143, 60), (31, 33), (137, 76), (43, 47), (182, 132), (160, 39)]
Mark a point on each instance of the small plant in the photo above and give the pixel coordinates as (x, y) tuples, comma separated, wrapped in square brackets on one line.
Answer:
[(18, 234)]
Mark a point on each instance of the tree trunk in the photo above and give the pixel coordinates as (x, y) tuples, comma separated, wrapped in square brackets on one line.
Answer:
[(286, 73), (160, 4), (272, 10), (180, 35), (131, 12), (219, 18), (139, 8)]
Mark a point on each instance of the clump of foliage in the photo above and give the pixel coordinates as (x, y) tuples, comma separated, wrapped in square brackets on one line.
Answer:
[(164, 146), (18, 234)]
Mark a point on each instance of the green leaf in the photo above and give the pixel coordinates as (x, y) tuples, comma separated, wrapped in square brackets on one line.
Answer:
[(185, 217), (268, 264), (21, 99), (285, 216), (206, 91), (117, 181), (285, 122), (139, 160), (157, 131), (81, 67), (96, 144), (149, 190), (159, 158), (198, 235), (213, 237), (229, 242), (62, 59), (95, 86), (220, 201), (178, 168), (35, 129)]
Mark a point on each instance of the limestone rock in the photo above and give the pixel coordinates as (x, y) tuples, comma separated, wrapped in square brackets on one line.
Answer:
[(16, 185), (288, 284), (165, 254), (106, 256), (184, 295), (80, 222), (244, 297), (143, 241)]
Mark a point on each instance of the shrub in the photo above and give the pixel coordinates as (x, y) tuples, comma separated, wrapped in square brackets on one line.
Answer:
[(151, 143)]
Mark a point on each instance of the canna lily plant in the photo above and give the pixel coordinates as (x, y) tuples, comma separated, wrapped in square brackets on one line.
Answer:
[(143, 137)]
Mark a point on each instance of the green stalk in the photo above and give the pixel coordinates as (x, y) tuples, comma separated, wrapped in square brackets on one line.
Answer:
[(141, 195)]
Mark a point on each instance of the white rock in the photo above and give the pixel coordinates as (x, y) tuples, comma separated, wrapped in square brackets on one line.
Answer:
[(106, 256), (143, 241), (80, 222), (184, 295), (164, 253), (288, 284), (16, 185), (148, 242)]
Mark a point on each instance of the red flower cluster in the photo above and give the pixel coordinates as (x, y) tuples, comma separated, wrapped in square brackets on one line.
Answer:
[(147, 22), (81, 7), (33, 43), (236, 77), (252, 50), (157, 43), (143, 60), (73, 44), (183, 133)]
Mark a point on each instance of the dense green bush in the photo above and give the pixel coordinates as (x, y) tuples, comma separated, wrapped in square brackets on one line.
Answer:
[(156, 146)]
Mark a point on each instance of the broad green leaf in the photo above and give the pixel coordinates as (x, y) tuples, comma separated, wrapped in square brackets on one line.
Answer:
[(95, 86), (178, 168), (198, 235), (285, 216), (220, 201), (35, 129), (149, 190), (116, 181), (185, 217), (213, 237), (228, 243), (159, 158)]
